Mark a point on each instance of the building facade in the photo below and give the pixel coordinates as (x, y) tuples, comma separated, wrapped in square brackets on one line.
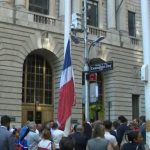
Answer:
[(31, 58)]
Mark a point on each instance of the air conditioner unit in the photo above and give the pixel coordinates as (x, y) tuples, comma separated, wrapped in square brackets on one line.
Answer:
[(144, 73)]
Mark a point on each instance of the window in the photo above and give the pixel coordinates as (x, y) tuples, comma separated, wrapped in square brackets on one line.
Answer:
[(37, 80), (39, 6), (131, 23), (92, 12), (135, 106), (30, 115)]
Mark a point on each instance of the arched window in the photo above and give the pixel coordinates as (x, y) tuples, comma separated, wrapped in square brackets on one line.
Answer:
[(37, 80)]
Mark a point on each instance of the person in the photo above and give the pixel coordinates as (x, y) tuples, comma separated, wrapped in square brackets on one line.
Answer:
[(108, 136), (32, 137), (79, 138), (73, 128), (135, 125), (7, 140), (45, 143), (66, 143), (131, 141), (87, 130), (122, 128), (56, 135), (115, 125), (98, 141), (22, 142), (141, 144), (143, 127), (40, 129)]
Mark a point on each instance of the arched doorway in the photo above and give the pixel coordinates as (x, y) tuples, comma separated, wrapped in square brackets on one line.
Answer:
[(37, 89)]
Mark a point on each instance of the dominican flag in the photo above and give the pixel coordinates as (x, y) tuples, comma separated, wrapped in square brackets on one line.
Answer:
[(67, 91)]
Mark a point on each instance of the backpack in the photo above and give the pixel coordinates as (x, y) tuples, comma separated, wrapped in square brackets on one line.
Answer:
[(22, 141), (23, 132)]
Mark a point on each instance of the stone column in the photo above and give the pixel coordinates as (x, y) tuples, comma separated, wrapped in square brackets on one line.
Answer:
[(20, 3), (101, 15), (52, 8), (121, 15), (61, 8), (111, 14)]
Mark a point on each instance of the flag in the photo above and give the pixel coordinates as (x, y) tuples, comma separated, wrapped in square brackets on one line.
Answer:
[(67, 91)]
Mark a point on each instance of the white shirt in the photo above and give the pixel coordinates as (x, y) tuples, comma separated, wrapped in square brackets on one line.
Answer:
[(44, 143), (57, 136), (112, 139), (32, 140)]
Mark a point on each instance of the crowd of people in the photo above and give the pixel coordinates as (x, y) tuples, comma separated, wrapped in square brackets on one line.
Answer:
[(98, 135)]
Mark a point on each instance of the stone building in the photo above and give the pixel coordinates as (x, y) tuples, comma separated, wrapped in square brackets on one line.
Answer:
[(31, 58)]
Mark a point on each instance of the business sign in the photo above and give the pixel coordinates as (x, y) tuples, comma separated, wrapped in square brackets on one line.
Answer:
[(102, 67)]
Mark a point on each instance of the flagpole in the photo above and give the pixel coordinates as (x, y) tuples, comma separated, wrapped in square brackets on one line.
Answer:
[(86, 65), (67, 27), (67, 23), (146, 52)]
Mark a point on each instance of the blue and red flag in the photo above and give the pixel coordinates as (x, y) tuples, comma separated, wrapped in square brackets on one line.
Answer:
[(67, 91)]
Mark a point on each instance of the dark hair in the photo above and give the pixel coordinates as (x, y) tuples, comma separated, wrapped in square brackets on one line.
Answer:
[(55, 125), (66, 143), (132, 135), (115, 124), (142, 118), (75, 127), (122, 119), (87, 130), (107, 124), (5, 120)]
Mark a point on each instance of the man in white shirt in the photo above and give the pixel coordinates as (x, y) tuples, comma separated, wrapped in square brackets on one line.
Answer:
[(56, 135), (108, 136), (32, 138)]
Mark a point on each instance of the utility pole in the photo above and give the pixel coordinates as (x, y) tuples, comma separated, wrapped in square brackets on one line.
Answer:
[(86, 65), (146, 71)]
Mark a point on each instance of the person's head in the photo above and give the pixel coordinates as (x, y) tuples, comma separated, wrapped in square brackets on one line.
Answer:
[(122, 119), (98, 130), (74, 128), (136, 121), (79, 128), (140, 138), (5, 121), (55, 126), (115, 124), (142, 119), (39, 127), (132, 135), (66, 143), (51, 122), (46, 134), (95, 122), (107, 124), (32, 125)]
